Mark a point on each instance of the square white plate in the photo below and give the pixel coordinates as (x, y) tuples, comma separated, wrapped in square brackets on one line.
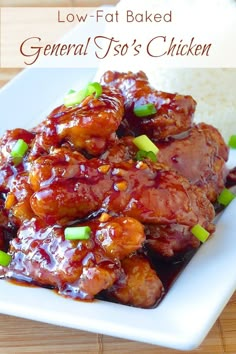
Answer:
[(196, 299)]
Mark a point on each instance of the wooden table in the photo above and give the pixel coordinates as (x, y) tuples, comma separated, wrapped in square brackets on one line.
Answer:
[(24, 336)]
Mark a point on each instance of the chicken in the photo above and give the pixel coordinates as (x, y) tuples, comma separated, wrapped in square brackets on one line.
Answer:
[(170, 240), (88, 126), (174, 111), (78, 268), (8, 167), (61, 164), (142, 287), (199, 155), (81, 168), (149, 193), (18, 200)]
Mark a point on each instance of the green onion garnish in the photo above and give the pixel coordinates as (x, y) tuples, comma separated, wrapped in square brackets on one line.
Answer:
[(199, 232), (73, 98), (76, 97), (70, 91), (94, 88), (232, 142), (145, 110), (225, 197), (144, 143), (141, 154), (19, 149), (5, 259), (77, 233)]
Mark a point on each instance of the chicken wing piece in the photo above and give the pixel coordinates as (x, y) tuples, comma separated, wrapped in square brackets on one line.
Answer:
[(199, 155), (87, 126), (78, 268), (170, 240), (149, 193), (174, 111), (141, 288)]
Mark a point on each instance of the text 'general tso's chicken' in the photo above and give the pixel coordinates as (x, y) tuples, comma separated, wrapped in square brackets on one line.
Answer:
[(111, 195)]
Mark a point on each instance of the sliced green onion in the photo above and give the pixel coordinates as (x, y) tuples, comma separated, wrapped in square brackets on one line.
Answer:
[(145, 110), (225, 197), (19, 149), (144, 143), (5, 259), (141, 154), (70, 91), (232, 142), (74, 98), (94, 88), (77, 233), (199, 232)]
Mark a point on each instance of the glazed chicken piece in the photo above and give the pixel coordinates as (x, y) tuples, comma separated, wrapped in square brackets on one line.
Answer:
[(174, 111), (149, 193), (9, 169), (17, 203), (88, 126), (141, 287), (198, 155), (78, 268), (118, 236), (170, 240), (61, 164)]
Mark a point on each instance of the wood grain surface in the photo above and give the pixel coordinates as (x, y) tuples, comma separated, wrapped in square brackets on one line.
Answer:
[(24, 336)]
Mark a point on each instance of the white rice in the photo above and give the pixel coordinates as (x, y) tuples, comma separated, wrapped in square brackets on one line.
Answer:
[(213, 89)]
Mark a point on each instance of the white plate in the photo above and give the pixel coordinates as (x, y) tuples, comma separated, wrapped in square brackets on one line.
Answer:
[(196, 299)]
